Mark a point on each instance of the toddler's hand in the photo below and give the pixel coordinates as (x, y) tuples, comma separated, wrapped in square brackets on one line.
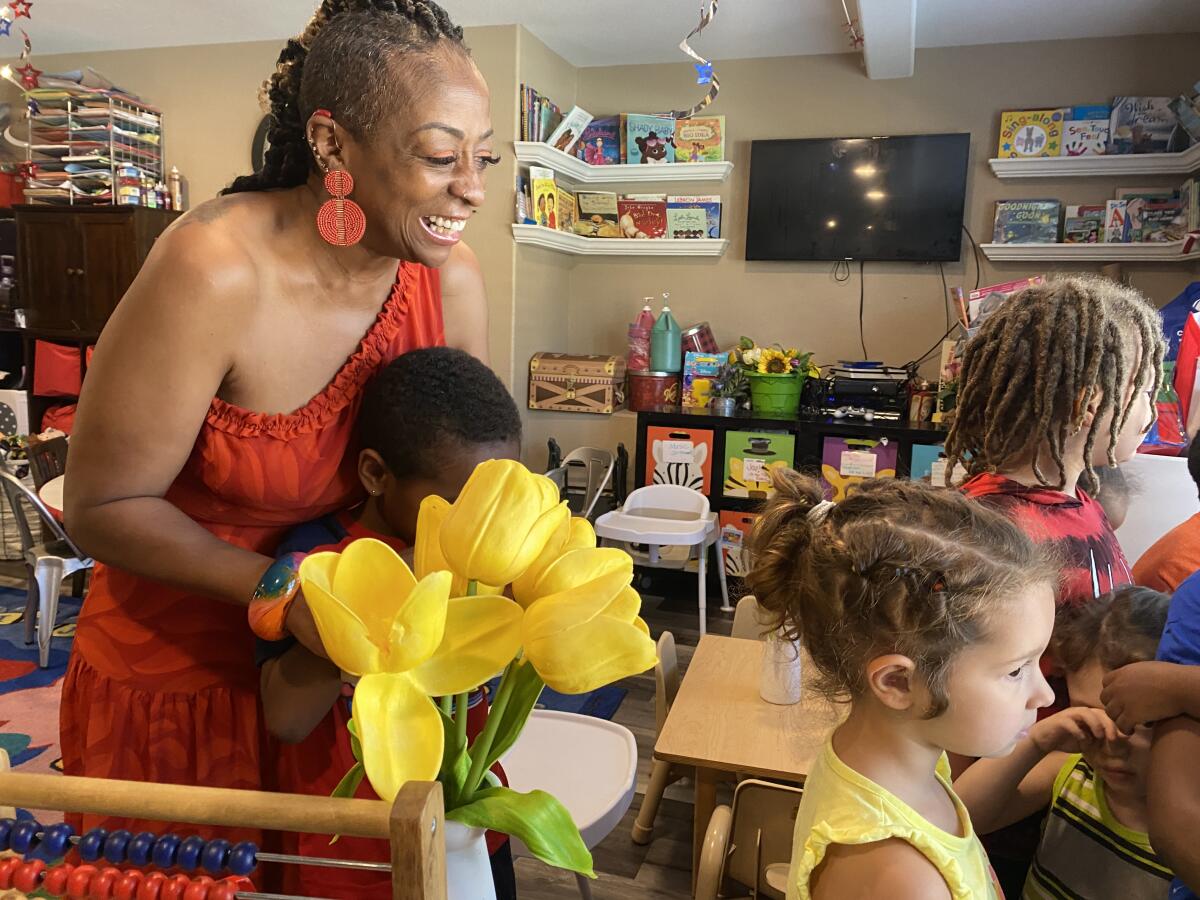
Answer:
[(1142, 692), (1073, 730)]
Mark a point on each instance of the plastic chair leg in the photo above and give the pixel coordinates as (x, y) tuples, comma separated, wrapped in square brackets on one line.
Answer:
[(725, 607), (702, 589), (585, 886), (712, 854), (49, 573), (31, 604), (660, 777)]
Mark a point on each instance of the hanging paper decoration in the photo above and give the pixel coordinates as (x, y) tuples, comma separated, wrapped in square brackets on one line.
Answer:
[(850, 26), (21, 8), (5, 27), (704, 69), (29, 76), (28, 44)]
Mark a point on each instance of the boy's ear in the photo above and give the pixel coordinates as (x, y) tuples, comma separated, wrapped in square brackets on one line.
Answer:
[(372, 472), (892, 679), (1093, 406)]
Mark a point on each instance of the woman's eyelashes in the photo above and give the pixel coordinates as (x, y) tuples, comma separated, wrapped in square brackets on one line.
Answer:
[(481, 162)]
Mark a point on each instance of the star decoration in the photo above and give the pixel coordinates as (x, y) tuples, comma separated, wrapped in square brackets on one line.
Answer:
[(21, 8), (704, 73), (29, 75), (5, 27)]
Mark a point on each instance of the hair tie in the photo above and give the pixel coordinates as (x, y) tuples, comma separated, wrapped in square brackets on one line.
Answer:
[(817, 514)]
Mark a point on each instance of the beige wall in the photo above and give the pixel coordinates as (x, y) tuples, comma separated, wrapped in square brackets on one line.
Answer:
[(541, 300)]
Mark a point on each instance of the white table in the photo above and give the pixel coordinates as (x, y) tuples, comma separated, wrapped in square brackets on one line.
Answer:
[(52, 494)]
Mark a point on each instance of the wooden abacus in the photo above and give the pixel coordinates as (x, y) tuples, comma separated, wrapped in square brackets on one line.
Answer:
[(413, 825)]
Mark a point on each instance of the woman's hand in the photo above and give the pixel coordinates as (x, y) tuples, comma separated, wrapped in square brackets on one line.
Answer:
[(303, 627), (1073, 730), (1145, 692)]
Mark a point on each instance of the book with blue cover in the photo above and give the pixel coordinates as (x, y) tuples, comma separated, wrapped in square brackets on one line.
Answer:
[(648, 139), (1027, 222), (687, 215)]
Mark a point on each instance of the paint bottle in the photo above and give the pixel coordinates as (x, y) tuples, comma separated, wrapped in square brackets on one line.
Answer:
[(638, 359), (665, 343)]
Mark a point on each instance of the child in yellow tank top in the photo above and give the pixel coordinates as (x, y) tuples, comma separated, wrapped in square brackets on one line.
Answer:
[(928, 612)]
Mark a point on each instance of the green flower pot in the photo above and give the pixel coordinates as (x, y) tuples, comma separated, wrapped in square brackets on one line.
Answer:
[(776, 394)]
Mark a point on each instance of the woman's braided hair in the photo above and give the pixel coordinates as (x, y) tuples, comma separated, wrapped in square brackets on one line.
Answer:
[(344, 61), (1028, 375), (896, 567)]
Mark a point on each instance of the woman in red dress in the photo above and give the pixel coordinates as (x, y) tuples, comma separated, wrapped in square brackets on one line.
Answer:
[(219, 407)]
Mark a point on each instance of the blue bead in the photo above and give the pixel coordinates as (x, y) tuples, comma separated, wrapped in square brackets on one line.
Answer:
[(21, 838), (164, 851), (243, 858), (91, 845), (115, 844), (216, 854), (138, 851), (55, 841), (6, 827), (190, 849)]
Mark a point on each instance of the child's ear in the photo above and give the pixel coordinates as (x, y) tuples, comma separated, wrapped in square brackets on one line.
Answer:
[(892, 679), (372, 472), (1093, 406)]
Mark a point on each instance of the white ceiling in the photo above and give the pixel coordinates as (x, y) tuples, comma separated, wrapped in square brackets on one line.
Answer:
[(610, 32)]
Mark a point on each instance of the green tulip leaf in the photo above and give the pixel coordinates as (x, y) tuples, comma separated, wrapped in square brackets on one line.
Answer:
[(350, 782), (456, 762), (540, 821), (355, 744), (525, 692)]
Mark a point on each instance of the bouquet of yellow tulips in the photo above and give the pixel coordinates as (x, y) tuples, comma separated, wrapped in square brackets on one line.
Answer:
[(444, 627)]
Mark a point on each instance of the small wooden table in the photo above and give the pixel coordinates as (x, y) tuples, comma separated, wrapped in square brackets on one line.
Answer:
[(52, 495), (719, 723)]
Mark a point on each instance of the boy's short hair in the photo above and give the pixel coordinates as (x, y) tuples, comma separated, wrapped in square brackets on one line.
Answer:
[(1193, 458), (1121, 627), (427, 400)]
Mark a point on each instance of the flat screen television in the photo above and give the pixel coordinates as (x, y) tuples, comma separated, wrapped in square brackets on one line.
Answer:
[(878, 198)]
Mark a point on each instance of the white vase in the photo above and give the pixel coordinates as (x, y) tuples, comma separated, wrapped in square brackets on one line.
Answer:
[(779, 682), (468, 867)]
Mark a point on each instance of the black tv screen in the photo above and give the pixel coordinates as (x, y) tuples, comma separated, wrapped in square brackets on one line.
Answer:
[(879, 198)]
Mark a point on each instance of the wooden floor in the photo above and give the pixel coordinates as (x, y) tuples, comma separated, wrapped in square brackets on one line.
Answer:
[(662, 868)]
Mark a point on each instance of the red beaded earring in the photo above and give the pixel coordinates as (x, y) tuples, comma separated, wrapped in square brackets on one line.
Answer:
[(340, 221)]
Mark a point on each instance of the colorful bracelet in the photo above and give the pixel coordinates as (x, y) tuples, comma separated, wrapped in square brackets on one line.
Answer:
[(273, 597)]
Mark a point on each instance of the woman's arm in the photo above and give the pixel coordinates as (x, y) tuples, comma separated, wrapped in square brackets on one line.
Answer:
[(464, 303), (161, 359), (298, 690)]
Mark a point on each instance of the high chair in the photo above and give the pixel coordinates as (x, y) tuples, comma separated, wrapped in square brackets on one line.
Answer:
[(750, 843), (668, 515)]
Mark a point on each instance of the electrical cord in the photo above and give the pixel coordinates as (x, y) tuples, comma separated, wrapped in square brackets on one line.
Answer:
[(978, 261), (945, 295), (862, 299), (936, 344), (841, 271)]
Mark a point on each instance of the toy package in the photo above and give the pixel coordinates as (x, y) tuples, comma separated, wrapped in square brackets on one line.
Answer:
[(848, 462), (647, 139), (749, 458), (681, 211), (1027, 221), (1030, 132), (597, 214), (698, 371), (600, 143), (700, 139)]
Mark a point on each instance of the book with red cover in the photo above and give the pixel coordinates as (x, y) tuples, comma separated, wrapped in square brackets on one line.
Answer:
[(642, 218)]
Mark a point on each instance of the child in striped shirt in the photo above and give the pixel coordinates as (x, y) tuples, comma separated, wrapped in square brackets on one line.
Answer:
[(1094, 843)]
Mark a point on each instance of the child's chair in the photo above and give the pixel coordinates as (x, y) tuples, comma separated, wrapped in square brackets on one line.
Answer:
[(749, 621), (668, 515), (662, 774), (750, 844), (597, 466)]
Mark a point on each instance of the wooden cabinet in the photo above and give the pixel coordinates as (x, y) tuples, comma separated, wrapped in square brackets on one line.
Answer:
[(76, 263)]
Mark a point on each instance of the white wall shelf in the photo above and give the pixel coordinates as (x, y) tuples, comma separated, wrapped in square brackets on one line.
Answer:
[(565, 242), (1099, 166), (577, 171), (1170, 251)]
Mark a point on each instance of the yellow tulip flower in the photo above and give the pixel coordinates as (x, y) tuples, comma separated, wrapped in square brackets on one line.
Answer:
[(501, 522), (427, 554), (575, 534), (588, 634), (409, 641)]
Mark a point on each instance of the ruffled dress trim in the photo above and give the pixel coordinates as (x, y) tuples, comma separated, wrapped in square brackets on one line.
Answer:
[(342, 390)]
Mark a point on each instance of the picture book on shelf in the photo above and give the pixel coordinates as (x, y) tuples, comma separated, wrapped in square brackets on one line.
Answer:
[(597, 214), (1084, 224), (1189, 196), (568, 212), (545, 196), (642, 217), (700, 139), (565, 136), (648, 139), (1141, 125), (984, 301), (1086, 138), (686, 215), (524, 202), (1156, 221), (1027, 221), (1030, 132), (1090, 112), (600, 143), (551, 115), (1116, 222)]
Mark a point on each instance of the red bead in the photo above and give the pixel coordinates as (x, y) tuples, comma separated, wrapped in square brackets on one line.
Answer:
[(150, 886), (7, 868), (127, 885), (222, 890), (198, 889), (79, 883), (56, 879), (28, 877), (174, 888), (339, 183), (104, 883), (242, 883)]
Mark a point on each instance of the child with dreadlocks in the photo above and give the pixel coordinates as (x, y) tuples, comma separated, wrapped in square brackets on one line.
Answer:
[(928, 612), (1060, 379)]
